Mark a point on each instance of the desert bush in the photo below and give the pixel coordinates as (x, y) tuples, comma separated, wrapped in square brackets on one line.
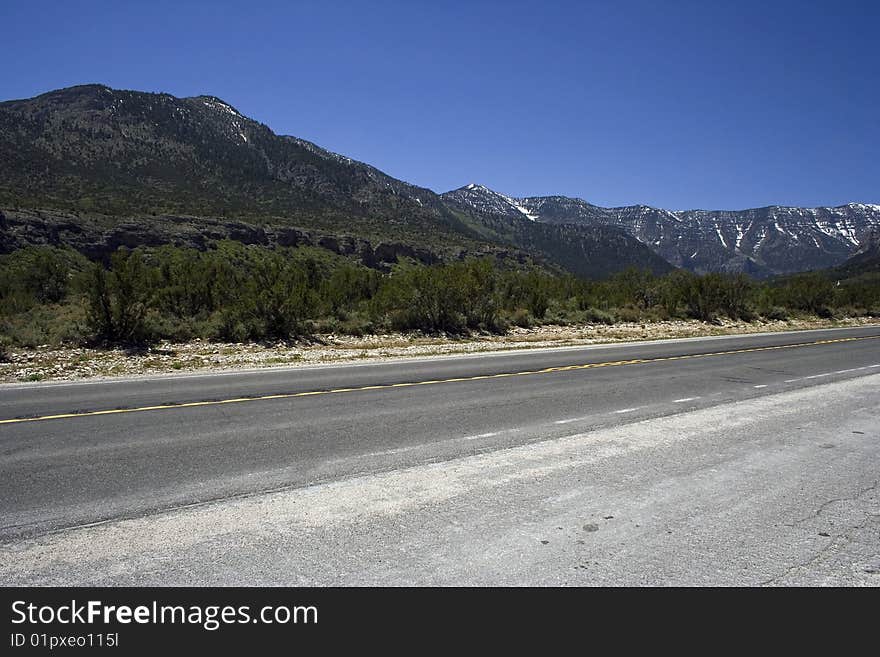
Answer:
[(282, 297), (233, 292), (118, 299), (520, 317), (597, 316), (810, 292), (628, 313), (776, 313)]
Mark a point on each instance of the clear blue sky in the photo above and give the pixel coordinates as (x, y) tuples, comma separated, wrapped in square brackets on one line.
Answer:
[(713, 104)]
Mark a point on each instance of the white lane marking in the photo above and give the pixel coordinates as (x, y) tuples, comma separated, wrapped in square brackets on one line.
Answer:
[(763, 385), (684, 399), (628, 410), (855, 369), (819, 376), (392, 452), (488, 434), (568, 421)]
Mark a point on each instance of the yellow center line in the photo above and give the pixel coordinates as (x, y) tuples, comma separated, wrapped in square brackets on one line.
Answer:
[(548, 370)]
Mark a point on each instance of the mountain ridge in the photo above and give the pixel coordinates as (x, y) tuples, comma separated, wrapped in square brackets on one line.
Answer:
[(149, 160), (760, 241)]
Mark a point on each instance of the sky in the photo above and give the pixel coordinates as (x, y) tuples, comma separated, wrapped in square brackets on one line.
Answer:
[(676, 104)]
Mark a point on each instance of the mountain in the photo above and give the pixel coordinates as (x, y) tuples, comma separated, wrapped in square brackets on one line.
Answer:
[(762, 241), (484, 200), (589, 251), (865, 261), (97, 168), (95, 148)]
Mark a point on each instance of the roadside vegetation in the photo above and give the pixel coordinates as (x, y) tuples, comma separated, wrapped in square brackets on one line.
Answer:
[(236, 293)]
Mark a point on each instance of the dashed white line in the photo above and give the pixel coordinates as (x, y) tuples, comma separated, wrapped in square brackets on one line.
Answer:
[(568, 421), (855, 369), (819, 376), (628, 410), (763, 385), (684, 399), (489, 434)]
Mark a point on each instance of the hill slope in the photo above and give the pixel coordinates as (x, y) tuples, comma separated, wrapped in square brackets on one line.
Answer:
[(865, 262), (116, 152), (98, 167)]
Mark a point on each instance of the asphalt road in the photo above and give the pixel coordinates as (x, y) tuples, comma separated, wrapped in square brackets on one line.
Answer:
[(781, 489), (330, 424)]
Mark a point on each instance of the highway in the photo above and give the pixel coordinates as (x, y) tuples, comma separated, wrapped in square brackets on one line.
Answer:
[(138, 450)]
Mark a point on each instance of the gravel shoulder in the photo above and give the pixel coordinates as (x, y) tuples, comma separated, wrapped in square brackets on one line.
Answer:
[(47, 363)]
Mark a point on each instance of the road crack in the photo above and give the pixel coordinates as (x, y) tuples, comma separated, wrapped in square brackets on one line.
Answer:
[(840, 541), (826, 504)]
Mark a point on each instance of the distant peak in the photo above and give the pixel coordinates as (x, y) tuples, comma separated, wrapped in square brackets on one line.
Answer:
[(92, 86), (864, 206), (214, 103), (78, 90), (481, 189)]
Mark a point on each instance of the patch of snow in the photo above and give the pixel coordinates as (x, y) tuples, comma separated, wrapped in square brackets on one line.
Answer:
[(761, 237), (740, 233), (530, 216), (842, 230), (219, 106), (864, 206)]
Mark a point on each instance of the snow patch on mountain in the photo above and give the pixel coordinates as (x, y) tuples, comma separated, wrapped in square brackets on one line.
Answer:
[(486, 200), (219, 106), (775, 239)]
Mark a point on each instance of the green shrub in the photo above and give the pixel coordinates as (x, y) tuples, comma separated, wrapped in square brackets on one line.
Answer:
[(118, 299), (233, 292), (282, 297), (777, 313), (520, 317), (227, 326), (628, 313), (596, 316), (357, 325), (811, 292), (36, 276), (50, 324)]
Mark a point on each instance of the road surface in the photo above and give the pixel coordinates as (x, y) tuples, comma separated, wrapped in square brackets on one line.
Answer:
[(749, 459)]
